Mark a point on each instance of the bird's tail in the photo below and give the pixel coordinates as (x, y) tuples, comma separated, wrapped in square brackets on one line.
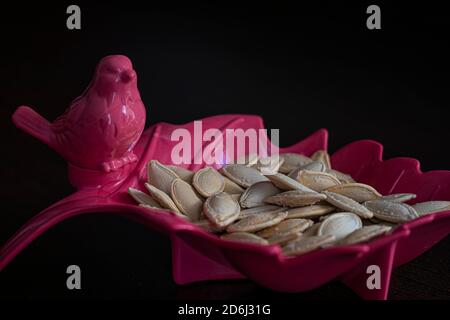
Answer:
[(32, 123)]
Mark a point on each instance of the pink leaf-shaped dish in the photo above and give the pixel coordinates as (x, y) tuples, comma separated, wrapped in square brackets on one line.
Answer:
[(198, 255)]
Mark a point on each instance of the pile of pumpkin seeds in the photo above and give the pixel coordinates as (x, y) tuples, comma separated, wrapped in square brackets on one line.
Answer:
[(303, 205)]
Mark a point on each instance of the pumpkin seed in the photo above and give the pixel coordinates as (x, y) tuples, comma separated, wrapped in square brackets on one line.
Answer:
[(391, 211), (317, 181), (162, 198), (359, 192), (186, 199), (231, 187), (295, 198), (160, 176), (221, 209), (342, 177), (285, 183), (340, 225), (323, 156), (347, 204), (365, 234), (258, 210), (143, 198), (208, 181), (286, 226), (255, 194), (182, 173), (306, 244), (257, 222), (428, 207), (311, 211), (242, 175), (244, 237), (399, 197), (292, 161)]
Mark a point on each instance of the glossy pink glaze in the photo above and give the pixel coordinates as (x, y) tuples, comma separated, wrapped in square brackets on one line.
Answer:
[(101, 127), (198, 255)]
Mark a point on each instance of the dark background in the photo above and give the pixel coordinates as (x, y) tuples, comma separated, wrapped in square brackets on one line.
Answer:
[(300, 67)]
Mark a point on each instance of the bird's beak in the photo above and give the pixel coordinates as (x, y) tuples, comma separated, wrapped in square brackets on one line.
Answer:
[(127, 76)]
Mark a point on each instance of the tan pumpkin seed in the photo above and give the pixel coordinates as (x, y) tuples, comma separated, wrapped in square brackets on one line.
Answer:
[(179, 214), (283, 238), (347, 204), (340, 225), (257, 222), (312, 231), (365, 234), (162, 198), (359, 192), (244, 237), (160, 176), (312, 211), (206, 225), (269, 165), (391, 211), (258, 210), (292, 161), (323, 156), (342, 177), (143, 198), (208, 181), (242, 175), (399, 197), (221, 209), (235, 196), (231, 187), (428, 207), (286, 226), (182, 173), (306, 244), (317, 181), (186, 199), (295, 198), (285, 183), (255, 194)]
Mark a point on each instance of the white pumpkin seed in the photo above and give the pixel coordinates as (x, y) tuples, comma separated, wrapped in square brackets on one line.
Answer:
[(347, 204), (285, 226), (340, 225), (391, 211), (428, 207), (399, 197), (312, 231), (311, 211), (143, 198), (221, 209), (242, 175), (244, 237), (292, 161), (186, 199), (317, 181), (182, 173), (208, 181), (285, 183), (255, 194), (258, 210), (365, 234), (342, 177), (162, 198), (323, 156), (359, 192), (160, 176), (257, 222), (231, 187), (306, 244), (295, 198)]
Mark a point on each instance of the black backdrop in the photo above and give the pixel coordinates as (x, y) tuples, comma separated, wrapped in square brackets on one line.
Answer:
[(300, 67)]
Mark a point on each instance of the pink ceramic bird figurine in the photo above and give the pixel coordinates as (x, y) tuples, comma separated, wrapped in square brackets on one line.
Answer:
[(100, 128)]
